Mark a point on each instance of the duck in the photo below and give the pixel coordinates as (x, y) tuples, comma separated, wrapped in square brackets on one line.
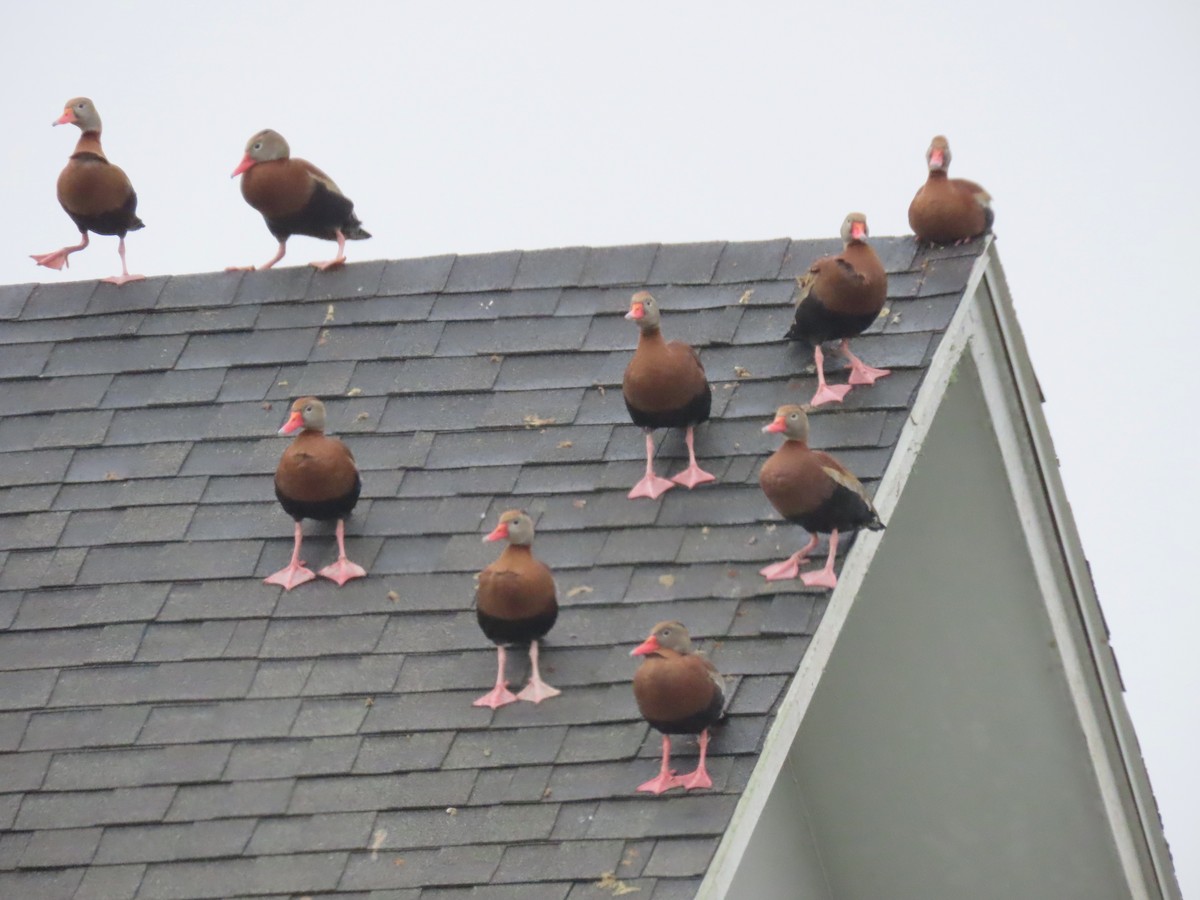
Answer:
[(96, 194), (678, 691), (316, 479), (664, 387), (516, 603), (838, 298), (295, 197), (948, 210), (813, 490)]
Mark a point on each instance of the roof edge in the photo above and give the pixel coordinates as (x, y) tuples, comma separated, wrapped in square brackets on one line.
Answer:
[(782, 734), (986, 326)]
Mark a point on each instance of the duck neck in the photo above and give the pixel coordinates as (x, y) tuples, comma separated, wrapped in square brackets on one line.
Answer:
[(89, 142)]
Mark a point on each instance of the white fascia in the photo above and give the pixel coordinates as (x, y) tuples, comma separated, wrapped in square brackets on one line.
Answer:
[(985, 326)]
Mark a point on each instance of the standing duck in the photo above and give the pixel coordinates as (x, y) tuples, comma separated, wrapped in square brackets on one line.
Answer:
[(678, 691), (96, 194), (664, 387), (840, 296), (295, 197), (316, 479), (515, 604), (948, 210), (812, 490)]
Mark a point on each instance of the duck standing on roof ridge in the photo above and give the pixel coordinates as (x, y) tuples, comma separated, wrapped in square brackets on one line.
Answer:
[(295, 197), (678, 691), (839, 297), (97, 195), (516, 603), (815, 491), (664, 387), (948, 210), (316, 479)]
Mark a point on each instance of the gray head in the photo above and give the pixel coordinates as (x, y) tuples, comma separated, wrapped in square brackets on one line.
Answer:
[(266, 146), (937, 157), (854, 228), (791, 421), (307, 413), (643, 309), (82, 112), (515, 526)]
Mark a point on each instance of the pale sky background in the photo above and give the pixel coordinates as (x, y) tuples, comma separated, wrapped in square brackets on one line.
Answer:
[(463, 127)]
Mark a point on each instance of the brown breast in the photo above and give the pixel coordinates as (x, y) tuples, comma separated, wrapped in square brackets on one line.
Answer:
[(945, 210), (853, 283), (671, 687), (516, 586), (315, 467), (89, 185), (661, 376), (793, 480), (278, 188)]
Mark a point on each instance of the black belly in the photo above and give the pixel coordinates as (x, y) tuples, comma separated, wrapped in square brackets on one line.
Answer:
[(693, 724), (516, 631), (118, 222), (693, 413), (845, 510), (325, 214), (321, 510), (815, 323)]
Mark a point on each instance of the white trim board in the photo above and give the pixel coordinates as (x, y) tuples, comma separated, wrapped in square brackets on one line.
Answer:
[(984, 325)]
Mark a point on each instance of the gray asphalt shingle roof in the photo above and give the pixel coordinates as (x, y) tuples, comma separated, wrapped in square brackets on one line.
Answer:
[(170, 727)]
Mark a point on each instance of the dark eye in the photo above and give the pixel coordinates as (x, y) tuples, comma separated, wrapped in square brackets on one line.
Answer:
[(308, 409), (257, 146)]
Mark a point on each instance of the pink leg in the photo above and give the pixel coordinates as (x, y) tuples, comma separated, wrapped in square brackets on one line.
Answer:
[(824, 577), (342, 570), (860, 372), (651, 485), (537, 690), (58, 258), (500, 695), (693, 474), (124, 277), (665, 780), (825, 393), (790, 567), (294, 572), (274, 259), (699, 778), (338, 260)]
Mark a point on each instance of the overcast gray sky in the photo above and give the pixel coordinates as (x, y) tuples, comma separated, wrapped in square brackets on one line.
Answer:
[(460, 127)]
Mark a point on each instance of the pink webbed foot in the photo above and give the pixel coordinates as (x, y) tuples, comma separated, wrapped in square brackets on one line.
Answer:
[(661, 783), (335, 263), (537, 691), (498, 696), (55, 260), (240, 269), (651, 486), (782, 571), (290, 575), (694, 780), (692, 476), (342, 571), (119, 280), (820, 578), (865, 374), (829, 393)]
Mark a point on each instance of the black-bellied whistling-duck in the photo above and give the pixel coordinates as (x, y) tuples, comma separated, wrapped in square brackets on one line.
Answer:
[(678, 691), (516, 604), (664, 387), (840, 296), (96, 194), (316, 479), (816, 492), (948, 210), (295, 197)]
